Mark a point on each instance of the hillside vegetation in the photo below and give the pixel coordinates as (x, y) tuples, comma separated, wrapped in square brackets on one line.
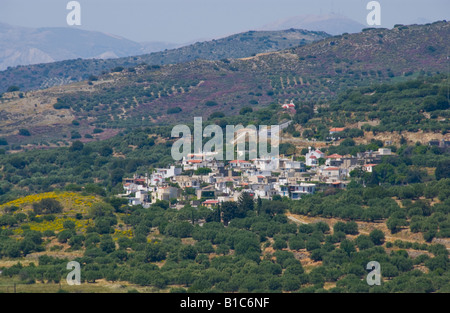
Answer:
[(164, 249), (236, 46), (418, 105), (146, 95)]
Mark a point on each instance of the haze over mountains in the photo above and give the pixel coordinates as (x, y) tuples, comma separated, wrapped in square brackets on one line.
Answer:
[(332, 24), (23, 45)]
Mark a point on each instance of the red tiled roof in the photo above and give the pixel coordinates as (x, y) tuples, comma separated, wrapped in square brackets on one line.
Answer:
[(331, 168), (211, 201), (337, 129)]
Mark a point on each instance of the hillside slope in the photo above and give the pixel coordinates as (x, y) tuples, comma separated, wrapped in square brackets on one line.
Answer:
[(64, 72), (149, 95)]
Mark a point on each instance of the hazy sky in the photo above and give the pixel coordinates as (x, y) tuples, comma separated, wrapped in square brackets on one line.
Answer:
[(187, 20)]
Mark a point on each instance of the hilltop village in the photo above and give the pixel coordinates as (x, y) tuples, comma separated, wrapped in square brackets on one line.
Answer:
[(200, 180)]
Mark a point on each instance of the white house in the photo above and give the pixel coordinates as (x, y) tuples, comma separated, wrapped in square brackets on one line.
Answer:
[(294, 191), (187, 182), (384, 151), (168, 172), (156, 179), (263, 191), (267, 164), (240, 164), (290, 105), (312, 157), (255, 172), (141, 198), (131, 187), (302, 189), (165, 193), (333, 174), (225, 184), (291, 164), (369, 167), (331, 171), (194, 161), (333, 158)]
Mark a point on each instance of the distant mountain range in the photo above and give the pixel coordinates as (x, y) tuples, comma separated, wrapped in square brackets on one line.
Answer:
[(27, 46), (23, 45), (102, 54), (333, 24)]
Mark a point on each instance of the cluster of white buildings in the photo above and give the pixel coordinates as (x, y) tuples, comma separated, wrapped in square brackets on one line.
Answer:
[(335, 169), (201, 179), (264, 178)]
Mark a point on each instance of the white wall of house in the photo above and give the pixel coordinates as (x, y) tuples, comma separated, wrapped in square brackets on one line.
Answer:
[(267, 164), (384, 151)]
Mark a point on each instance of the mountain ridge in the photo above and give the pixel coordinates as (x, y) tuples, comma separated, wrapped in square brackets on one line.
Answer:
[(59, 43), (235, 46), (333, 24)]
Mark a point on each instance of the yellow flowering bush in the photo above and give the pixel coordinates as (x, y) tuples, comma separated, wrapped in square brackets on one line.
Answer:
[(57, 225), (72, 202), (123, 233)]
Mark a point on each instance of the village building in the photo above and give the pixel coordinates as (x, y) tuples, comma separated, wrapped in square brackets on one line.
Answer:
[(313, 156), (289, 105), (369, 167), (165, 193), (335, 130)]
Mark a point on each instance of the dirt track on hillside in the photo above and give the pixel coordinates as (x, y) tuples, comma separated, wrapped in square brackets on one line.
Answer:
[(365, 228)]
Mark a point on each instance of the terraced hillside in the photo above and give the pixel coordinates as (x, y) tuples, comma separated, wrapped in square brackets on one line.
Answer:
[(236, 46), (146, 95)]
